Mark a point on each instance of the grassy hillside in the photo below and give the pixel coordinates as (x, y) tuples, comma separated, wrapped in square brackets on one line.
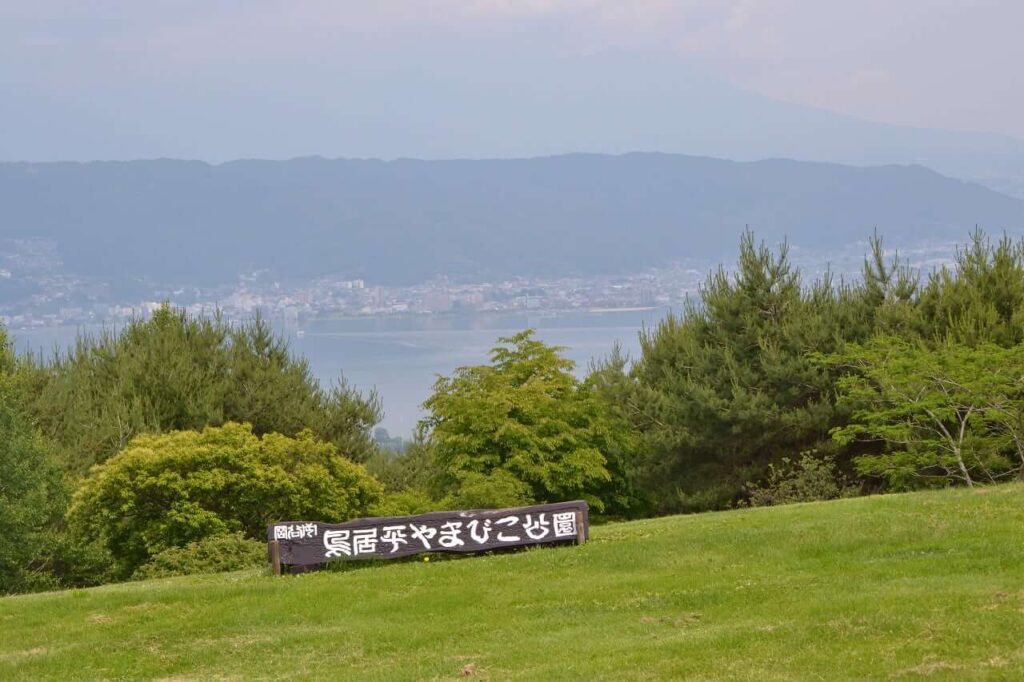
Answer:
[(924, 585)]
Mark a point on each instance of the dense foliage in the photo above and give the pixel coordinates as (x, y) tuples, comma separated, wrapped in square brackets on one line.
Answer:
[(213, 554), (727, 387), (169, 490), (808, 478), (173, 372), (941, 413), (735, 383), (32, 493), (522, 429)]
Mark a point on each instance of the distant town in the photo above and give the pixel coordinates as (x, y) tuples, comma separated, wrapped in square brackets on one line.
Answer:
[(36, 291)]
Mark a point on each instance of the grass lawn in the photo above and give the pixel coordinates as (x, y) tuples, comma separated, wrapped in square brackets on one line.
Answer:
[(900, 586)]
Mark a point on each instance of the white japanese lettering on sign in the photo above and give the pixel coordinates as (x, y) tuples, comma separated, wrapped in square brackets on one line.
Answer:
[(337, 542), (291, 531), (565, 524), (304, 543)]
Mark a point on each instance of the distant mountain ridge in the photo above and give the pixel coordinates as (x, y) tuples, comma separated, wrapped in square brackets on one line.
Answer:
[(471, 105), (405, 221)]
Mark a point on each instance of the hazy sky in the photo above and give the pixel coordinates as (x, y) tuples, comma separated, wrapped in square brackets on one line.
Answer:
[(158, 77)]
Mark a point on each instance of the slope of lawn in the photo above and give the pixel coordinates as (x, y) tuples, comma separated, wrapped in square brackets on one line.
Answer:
[(901, 586)]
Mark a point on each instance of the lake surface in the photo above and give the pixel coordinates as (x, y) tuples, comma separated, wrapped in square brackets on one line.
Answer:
[(401, 356)]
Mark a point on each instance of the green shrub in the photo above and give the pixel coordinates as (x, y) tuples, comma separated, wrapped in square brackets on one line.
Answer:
[(66, 560), (405, 503), (214, 554), (165, 491), (807, 479), (497, 490)]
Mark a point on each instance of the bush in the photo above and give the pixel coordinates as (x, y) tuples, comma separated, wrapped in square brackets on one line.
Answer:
[(65, 560), (808, 479), (405, 503), (215, 554), (165, 491), (497, 490)]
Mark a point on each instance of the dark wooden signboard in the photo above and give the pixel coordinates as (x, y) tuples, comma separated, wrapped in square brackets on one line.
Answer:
[(307, 543)]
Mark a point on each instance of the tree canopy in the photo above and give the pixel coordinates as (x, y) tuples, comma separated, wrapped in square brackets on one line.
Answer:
[(942, 413), (174, 372), (522, 428), (731, 385), (32, 493)]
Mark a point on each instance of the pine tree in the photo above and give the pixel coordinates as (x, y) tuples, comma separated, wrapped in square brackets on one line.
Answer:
[(176, 372), (32, 494), (730, 386)]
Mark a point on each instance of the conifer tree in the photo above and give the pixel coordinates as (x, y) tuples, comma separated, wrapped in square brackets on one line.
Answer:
[(980, 298), (176, 372), (728, 386), (32, 494)]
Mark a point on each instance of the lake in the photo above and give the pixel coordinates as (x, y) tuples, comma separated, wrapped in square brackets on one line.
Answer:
[(401, 356)]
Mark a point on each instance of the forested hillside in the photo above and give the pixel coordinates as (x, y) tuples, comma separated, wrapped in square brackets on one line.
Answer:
[(405, 221)]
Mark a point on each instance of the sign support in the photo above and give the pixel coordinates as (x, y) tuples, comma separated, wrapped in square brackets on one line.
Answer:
[(275, 556)]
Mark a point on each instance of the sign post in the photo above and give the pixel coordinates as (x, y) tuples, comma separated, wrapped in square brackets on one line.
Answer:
[(275, 557), (309, 543)]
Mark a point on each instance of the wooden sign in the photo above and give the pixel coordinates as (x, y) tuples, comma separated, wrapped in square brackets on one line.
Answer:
[(306, 543)]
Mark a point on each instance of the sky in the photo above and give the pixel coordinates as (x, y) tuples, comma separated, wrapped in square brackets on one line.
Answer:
[(217, 79)]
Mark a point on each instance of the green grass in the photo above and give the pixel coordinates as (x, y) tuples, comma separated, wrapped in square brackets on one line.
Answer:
[(901, 586)]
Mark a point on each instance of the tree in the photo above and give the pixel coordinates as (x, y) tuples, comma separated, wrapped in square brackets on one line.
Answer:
[(726, 388), (173, 489), (155, 375), (411, 469), (522, 428), (886, 296), (942, 414), (32, 494), (176, 372), (626, 453), (980, 298)]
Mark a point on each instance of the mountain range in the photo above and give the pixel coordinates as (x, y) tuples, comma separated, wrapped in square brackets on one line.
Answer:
[(404, 221)]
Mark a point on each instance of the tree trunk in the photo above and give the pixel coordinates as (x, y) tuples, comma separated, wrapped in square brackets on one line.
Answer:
[(963, 468)]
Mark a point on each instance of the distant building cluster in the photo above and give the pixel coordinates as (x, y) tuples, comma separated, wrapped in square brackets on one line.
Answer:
[(65, 300), (35, 291), (329, 297)]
